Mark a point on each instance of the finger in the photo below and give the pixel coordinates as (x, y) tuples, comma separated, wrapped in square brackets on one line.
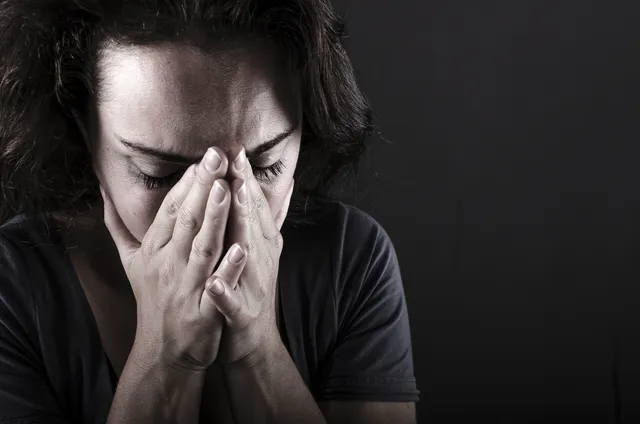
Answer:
[(208, 244), (231, 266), (191, 213), (225, 279), (224, 300), (161, 229), (259, 212), (239, 226), (125, 242), (282, 214), (259, 208)]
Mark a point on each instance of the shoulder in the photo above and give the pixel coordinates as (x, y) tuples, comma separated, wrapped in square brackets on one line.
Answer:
[(42, 331), (28, 259), (19, 265), (20, 239), (347, 247), (357, 304), (336, 222), (25, 244)]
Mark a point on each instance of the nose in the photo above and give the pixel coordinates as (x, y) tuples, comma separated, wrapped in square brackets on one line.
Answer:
[(228, 155)]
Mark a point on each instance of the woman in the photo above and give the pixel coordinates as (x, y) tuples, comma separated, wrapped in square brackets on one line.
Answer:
[(147, 272)]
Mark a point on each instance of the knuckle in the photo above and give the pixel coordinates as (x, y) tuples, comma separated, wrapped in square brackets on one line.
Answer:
[(201, 250), (147, 250), (258, 202), (278, 241), (225, 274), (218, 275), (172, 206), (236, 311), (150, 244), (187, 219), (248, 247)]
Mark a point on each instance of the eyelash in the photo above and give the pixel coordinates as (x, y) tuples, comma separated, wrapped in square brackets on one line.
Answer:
[(266, 173)]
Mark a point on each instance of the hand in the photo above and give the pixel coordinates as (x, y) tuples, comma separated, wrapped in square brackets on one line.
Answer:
[(177, 320), (249, 303)]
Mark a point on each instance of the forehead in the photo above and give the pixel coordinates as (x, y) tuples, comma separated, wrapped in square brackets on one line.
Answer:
[(184, 100)]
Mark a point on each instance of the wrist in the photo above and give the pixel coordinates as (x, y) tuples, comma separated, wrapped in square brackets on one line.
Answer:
[(269, 348), (149, 389), (150, 357)]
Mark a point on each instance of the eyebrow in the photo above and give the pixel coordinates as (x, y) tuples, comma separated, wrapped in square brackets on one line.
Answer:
[(182, 159)]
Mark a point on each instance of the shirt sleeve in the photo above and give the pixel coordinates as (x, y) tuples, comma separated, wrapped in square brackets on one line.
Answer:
[(25, 396), (372, 357)]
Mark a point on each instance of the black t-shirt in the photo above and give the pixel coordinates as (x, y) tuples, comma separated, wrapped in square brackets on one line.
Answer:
[(343, 318)]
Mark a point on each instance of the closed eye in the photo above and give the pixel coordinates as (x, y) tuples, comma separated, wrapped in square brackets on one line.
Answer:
[(262, 173)]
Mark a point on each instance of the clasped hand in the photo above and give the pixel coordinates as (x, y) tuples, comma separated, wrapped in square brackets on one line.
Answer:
[(197, 303)]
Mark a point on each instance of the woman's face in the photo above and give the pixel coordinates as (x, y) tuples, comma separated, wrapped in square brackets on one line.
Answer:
[(160, 109)]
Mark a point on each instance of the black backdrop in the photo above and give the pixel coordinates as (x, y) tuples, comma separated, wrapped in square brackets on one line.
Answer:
[(509, 183)]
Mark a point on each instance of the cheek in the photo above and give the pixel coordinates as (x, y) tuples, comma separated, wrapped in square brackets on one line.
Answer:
[(274, 198), (276, 191), (135, 205), (137, 209)]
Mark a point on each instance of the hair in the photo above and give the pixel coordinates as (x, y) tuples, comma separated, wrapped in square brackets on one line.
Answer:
[(50, 50)]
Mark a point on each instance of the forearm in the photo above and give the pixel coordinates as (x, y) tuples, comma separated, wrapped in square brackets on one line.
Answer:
[(151, 392), (271, 390)]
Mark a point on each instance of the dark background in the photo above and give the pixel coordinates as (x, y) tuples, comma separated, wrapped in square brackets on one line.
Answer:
[(508, 182)]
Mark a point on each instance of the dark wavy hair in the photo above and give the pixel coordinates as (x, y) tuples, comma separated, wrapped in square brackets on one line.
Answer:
[(48, 55)]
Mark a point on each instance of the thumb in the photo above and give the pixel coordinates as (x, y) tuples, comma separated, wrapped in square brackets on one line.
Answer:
[(218, 299), (125, 242)]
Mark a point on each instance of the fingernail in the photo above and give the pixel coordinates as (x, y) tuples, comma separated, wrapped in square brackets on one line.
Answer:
[(242, 194), (211, 160), (219, 193), (241, 161), (236, 254), (217, 287)]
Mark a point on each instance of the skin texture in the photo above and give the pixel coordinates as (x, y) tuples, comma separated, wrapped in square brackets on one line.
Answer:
[(183, 101)]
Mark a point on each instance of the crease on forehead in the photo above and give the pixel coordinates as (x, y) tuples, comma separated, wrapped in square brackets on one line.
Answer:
[(170, 94)]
